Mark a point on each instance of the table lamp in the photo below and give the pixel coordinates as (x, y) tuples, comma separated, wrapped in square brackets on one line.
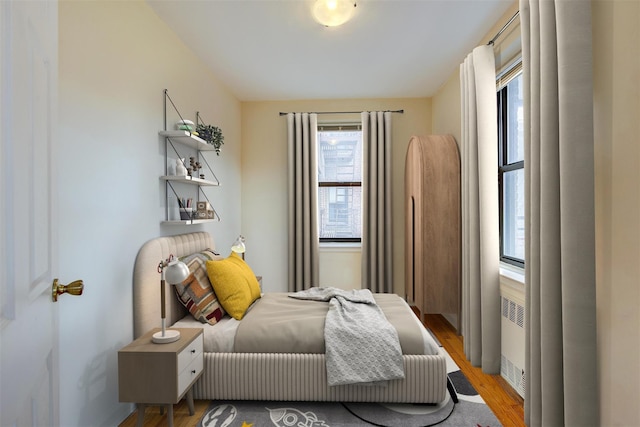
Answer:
[(173, 271), (238, 246)]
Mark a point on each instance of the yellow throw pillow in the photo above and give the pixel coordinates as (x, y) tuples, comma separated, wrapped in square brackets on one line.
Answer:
[(252, 280), (234, 284)]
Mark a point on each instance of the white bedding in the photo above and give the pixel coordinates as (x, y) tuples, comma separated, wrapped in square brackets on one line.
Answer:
[(220, 337)]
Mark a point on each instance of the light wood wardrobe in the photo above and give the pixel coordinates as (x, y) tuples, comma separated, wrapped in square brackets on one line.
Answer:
[(432, 226)]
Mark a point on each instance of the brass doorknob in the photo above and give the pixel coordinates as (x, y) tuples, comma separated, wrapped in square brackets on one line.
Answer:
[(73, 288)]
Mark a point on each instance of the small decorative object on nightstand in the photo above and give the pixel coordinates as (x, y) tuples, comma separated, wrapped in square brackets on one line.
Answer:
[(160, 374)]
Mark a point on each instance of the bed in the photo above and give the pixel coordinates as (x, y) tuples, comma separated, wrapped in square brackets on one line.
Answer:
[(257, 374)]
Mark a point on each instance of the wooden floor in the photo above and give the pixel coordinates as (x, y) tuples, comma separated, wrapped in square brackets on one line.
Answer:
[(500, 397)]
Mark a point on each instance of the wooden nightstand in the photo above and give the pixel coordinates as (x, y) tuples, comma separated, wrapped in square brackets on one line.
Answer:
[(160, 374)]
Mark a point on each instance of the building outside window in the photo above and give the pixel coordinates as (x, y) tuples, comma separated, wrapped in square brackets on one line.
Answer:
[(511, 165), (340, 183)]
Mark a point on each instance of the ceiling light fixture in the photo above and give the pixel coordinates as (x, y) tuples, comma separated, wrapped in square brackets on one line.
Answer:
[(332, 13)]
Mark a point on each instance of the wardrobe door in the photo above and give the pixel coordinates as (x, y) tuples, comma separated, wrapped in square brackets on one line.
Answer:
[(413, 226), (433, 246)]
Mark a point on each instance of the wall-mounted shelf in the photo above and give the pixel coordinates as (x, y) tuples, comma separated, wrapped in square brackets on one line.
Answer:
[(188, 221), (180, 141), (190, 180), (187, 138)]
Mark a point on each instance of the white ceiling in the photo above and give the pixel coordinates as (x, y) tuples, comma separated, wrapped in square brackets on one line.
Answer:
[(268, 50)]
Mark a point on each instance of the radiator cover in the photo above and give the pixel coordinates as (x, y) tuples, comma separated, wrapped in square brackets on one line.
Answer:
[(513, 337)]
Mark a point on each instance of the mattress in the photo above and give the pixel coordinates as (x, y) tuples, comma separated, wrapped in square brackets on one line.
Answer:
[(279, 324)]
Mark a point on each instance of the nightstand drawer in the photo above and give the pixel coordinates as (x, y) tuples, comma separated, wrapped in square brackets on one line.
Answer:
[(190, 373), (192, 352)]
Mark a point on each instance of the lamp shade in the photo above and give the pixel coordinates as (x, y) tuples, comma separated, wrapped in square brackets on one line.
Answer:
[(175, 272), (238, 246), (332, 13)]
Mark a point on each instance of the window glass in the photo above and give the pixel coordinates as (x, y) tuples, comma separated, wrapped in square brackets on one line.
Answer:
[(340, 212), (515, 121), (340, 184), (511, 167), (340, 156), (513, 214)]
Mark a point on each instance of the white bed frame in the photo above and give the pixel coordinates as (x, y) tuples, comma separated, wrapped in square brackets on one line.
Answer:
[(263, 376)]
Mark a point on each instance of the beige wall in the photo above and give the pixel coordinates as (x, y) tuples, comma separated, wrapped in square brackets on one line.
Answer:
[(446, 108), (264, 183), (446, 102), (616, 41), (115, 60)]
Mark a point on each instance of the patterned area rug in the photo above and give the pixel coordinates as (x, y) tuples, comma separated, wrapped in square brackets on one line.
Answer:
[(462, 407)]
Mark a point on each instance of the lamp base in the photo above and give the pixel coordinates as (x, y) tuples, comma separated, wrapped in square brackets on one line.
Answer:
[(170, 335)]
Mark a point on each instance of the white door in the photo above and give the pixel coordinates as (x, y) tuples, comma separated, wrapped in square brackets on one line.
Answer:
[(28, 264)]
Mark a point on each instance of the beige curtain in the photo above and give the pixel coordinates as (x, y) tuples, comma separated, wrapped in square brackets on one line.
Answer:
[(480, 324), (560, 362), (303, 201), (377, 253)]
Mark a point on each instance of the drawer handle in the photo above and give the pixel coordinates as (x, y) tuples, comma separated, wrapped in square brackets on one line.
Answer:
[(193, 351), (193, 371)]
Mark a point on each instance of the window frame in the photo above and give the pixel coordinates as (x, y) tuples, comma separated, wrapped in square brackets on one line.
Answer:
[(347, 127), (504, 166)]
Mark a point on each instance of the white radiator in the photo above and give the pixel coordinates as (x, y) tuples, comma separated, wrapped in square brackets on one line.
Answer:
[(513, 337)]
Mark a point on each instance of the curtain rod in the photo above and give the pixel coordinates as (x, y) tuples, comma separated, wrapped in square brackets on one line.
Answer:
[(346, 112), (509, 22)]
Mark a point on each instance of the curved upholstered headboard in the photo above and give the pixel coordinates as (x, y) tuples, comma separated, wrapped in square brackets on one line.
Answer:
[(146, 279)]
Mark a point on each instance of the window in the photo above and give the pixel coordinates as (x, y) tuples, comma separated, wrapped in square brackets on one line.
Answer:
[(511, 166), (340, 183)]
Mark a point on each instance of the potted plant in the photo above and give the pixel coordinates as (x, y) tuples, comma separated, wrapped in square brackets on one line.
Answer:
[(211, 134)]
